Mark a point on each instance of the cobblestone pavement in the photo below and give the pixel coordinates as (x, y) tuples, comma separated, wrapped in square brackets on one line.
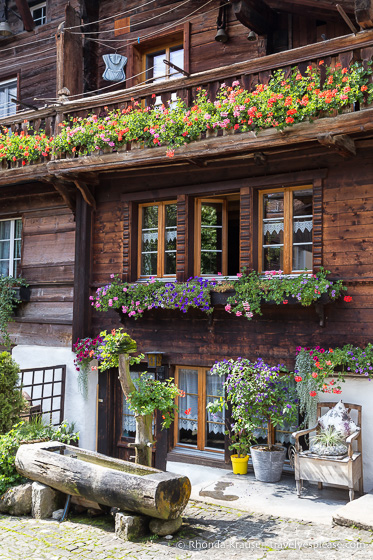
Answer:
[(208, 531)]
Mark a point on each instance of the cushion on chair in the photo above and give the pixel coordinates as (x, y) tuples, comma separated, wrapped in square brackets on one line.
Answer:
[(339, 418)]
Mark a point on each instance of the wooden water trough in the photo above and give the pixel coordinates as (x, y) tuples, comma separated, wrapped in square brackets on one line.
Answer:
[(107, 481)]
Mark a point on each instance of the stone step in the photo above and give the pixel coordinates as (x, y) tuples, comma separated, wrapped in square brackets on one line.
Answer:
[(358, 513)]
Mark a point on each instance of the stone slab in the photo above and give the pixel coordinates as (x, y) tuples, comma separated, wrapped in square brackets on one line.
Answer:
[(358, 513), (17, 500), (129, 526), (45, 500)]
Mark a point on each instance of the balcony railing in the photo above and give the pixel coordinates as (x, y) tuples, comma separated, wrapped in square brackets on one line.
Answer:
[(346, 49)]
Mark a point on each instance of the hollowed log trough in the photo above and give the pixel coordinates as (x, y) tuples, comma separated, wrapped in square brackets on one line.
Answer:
[(105, 480)]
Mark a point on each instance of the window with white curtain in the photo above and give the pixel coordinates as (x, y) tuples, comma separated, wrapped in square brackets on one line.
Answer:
[(196, 427), (8, 91), (10, 247)]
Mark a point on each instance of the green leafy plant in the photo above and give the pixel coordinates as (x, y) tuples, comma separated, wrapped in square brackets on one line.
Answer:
[(114, 343), (253, 289), (151, 395), (8, 300), (11, 400), (24, 432)]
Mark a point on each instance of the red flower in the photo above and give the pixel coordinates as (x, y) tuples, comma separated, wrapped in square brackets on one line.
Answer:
[(298, 378), (337, 391), (187, 411), (348, 298), (321, 62), (313, 393), (285, 301), (314, 374)]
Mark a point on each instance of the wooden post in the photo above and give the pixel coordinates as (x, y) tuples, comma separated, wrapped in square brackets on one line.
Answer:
[(144, 436), (69, 55), (82, 273)]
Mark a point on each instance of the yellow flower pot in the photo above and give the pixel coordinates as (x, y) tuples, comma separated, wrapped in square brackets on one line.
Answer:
[(239, 464)]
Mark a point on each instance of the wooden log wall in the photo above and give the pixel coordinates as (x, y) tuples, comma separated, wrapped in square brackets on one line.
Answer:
[(347, 251), (297, 25), (33, 64), (47, 263)]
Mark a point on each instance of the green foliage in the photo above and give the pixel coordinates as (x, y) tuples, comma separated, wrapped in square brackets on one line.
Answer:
[(258, 394), (27, 432), (114, 343), (305, 387), (7, 302), (252, 289), (241, 437), (151, 395), (11, 400)]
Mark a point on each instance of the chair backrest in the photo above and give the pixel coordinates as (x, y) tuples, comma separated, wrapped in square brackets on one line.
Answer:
[(349, 406)]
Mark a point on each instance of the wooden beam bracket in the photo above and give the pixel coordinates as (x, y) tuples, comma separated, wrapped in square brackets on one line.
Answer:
[(25, 13), (62, 187), (256, 15), (86, 193), (340, 143)]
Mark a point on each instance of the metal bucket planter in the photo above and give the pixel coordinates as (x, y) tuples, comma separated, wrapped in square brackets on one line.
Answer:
[(268, 465)]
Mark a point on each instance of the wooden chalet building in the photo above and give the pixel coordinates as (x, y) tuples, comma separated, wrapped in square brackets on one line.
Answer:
[(76, 221)]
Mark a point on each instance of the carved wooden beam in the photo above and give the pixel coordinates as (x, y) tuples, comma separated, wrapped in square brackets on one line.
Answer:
[(25, 13), (341, 143), (364, 13), (86, 193), (256, 15), (62, 187)]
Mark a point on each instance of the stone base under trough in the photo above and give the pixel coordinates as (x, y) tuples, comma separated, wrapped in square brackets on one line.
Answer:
[(130, 526), (162, 528), (45, 500)]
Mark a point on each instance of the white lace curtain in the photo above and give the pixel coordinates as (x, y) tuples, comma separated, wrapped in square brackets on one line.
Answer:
[(278, 227), (152, 236)]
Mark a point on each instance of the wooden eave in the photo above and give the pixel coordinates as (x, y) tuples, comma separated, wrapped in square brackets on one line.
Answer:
[(356, 125)]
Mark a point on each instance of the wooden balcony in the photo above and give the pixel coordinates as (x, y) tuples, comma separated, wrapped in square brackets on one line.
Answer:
[(345, 50)]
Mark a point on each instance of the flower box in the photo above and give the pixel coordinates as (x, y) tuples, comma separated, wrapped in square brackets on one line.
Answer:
[(22, 293)]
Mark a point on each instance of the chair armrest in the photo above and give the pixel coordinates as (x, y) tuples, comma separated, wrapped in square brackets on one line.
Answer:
[(349, 441), (297, 435), (353, 436)]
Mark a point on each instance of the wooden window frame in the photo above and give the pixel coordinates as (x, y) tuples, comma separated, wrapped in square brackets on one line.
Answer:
[(197, 235), (160, 244), (11, 260), (167, 48), (202, 413), (288, 223), (180, 35)]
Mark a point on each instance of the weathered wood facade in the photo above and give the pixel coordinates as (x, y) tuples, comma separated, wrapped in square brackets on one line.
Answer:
[(81, 215)]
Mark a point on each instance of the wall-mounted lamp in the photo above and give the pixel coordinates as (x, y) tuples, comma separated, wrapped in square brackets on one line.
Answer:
[(252, 36), (155, 362), (154, 359)]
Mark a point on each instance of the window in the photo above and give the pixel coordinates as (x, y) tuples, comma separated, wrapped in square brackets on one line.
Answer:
[(157, 240), (8, 91), (156, 70), (10, 247), (195, 427), (217, 236), (286, 229), (39, 13)]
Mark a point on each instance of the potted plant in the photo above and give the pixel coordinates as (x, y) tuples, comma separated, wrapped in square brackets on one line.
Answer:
[(329, 442), (260, 394), (241, 440)]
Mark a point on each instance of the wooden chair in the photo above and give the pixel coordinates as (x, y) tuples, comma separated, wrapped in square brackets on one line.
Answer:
[(346, 471)]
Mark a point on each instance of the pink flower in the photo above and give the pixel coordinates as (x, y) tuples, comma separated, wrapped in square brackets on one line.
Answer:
[(112, 275), (228, 308), (219, 273), (239, 274), (124, 289), (115, 298), (238, 313), (110, 302)]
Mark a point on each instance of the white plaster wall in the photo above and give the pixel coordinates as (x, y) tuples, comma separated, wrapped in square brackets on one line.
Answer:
[(77, 409), (359, 390)]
